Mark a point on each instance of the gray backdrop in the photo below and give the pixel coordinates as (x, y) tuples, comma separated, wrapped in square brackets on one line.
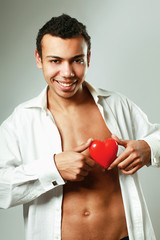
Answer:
[(125, 58)]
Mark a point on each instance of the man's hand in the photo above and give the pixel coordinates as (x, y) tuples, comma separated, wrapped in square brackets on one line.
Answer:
[(74, 165), (137, 153)]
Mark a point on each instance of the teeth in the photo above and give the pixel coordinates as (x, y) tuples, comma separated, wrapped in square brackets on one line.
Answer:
[(65, 84)]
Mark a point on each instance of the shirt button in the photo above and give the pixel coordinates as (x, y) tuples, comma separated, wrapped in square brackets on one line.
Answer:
[(155, 160)]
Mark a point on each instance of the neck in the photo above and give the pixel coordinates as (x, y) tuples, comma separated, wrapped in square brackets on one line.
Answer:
[(59, 103)]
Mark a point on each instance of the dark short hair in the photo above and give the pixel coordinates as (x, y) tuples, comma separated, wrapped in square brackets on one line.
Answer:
[(64, 27)]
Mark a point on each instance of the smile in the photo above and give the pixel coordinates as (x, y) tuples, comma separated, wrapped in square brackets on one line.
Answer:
[(64, 84)]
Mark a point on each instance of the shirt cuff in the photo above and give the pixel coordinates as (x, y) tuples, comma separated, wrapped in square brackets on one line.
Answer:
[(45, 170), (155, 151)]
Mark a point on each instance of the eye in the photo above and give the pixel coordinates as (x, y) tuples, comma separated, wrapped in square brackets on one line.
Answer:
[(55, 61), (81, 61)]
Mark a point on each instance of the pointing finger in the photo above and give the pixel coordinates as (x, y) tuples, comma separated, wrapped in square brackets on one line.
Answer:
[(84, 146), (120, 141)]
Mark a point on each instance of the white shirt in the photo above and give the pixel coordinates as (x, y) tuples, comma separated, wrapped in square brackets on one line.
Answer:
[(29, 139)]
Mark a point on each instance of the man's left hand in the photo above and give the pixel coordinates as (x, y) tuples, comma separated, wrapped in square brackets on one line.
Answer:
[(137, 153)]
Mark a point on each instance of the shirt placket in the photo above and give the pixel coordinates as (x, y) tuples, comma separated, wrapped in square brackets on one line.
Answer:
[(108, 116), (59, 191), (58, 215)]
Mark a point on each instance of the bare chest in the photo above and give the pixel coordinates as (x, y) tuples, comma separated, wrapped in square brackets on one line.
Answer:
[(78, 126), (75, 130)]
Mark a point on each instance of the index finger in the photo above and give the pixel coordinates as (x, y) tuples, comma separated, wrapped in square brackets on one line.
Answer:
[(119, 159), (90, 162)]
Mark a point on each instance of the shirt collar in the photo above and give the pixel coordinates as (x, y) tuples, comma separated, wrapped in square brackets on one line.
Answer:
[(41, 100), (96, 92), (38, 102)]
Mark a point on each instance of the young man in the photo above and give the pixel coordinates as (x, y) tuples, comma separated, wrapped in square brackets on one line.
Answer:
[(44, 157)]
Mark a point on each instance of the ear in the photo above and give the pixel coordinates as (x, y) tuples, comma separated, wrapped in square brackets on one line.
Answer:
[(89, 58), (38, 59)]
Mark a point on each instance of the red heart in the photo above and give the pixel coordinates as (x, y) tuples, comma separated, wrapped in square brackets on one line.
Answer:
[(105, 152)]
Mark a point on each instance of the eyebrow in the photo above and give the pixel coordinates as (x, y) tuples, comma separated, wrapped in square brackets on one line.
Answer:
[(56, 57), (51, 56), (79, 56)]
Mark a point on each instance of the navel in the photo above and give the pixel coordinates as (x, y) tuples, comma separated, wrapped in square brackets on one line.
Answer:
[(86, 213)]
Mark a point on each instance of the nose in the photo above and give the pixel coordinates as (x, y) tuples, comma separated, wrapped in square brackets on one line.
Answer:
[(67, 70)]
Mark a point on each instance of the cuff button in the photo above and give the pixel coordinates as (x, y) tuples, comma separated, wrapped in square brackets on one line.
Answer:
[(54, 183)]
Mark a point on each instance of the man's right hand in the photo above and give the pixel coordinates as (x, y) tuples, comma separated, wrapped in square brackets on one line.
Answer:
[(74, 165)]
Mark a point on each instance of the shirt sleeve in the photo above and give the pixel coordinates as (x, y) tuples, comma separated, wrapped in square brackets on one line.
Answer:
[(19, 182), (144, 130)]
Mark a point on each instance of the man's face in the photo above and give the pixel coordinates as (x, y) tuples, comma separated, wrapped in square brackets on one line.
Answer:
[(64, 63)]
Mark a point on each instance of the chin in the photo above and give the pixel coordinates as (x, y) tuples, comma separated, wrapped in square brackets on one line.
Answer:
[(65, 95)]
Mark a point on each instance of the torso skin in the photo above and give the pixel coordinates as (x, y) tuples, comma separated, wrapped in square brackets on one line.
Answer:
[(92, 208)]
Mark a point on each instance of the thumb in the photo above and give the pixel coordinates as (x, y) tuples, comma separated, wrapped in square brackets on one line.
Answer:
[(119, 141), (83, 146)]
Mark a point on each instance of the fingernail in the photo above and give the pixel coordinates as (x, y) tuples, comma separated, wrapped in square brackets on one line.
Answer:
[(89, 140)]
